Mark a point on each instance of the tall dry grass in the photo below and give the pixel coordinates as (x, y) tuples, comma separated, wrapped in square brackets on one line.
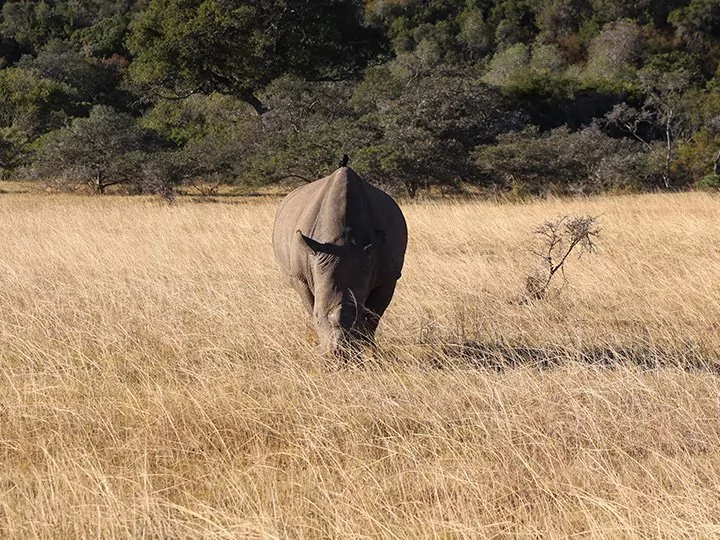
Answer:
[(157, 380)]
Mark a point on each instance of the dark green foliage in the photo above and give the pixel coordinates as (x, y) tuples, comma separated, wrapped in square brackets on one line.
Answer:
[(238, 47), (557, 19), (587, 161), (698, 24), (662, 118), (308, 128), (29, 24), (105, 149), (710, 182), (449, 107), (430, 128), (91, 81), (32, 105), (8, 154), (381, 86), (104, 38), (527, 95), (514, 22), (9, 51), (34, 24), (196, 117), (287, 154)]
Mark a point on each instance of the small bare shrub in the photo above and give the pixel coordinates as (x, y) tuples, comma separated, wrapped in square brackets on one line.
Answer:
[(557, 239)]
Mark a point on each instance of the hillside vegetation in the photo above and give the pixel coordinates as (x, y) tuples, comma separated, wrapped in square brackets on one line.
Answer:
[(523, 96), (158, 380)]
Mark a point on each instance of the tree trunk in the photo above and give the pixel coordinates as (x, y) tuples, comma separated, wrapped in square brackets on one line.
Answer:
[(412, 188), (668, 151), (99, 185), (716, 165), (254, 102)]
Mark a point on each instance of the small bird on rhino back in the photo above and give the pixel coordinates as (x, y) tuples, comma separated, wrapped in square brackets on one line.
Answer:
[(341, 242)]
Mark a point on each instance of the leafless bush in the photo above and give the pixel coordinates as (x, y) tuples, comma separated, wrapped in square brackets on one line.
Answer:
[(557, 239)]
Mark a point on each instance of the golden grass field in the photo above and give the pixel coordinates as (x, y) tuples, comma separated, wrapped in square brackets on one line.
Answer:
[(158, 380)]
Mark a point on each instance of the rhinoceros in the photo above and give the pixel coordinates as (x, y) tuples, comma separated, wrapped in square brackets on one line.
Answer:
[(342, 242)]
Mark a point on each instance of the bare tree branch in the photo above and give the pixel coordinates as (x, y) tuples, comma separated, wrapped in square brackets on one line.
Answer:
[(559, 238)]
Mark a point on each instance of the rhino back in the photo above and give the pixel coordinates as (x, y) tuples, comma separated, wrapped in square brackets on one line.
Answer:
[(327, 207)]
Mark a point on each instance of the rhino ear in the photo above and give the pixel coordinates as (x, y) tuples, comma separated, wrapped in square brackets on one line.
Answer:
[(377, 241), (310, 245)]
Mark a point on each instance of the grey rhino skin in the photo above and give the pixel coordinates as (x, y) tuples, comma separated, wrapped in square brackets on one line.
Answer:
[(342, 242)]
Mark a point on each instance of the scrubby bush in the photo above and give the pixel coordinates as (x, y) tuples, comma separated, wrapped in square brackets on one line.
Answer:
[(614, 55), (587, 161), (429, 130), (197, 116), (254, 92), (709, 182), (556, 239), (91, 81), (308, 128), (106, 149), (31, 105)]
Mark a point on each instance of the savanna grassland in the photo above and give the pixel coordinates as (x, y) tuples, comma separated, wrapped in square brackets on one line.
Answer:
[(158, 380)]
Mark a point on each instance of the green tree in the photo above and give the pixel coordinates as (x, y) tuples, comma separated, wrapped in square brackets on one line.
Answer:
[(607, 11), (105, 37), (380, 87), (30, 24), (698, 24), (514, 21), (509, 65), (615, 54), (196, 117), (309, 127), (34, 24), (429, 130), (92, 81), (518, 64), (32, 105), (105, 149), (560, 18), (556, 161), (8, 154), (454, 107), (661, 119), (475, 36), (237, 47), (439, 28)]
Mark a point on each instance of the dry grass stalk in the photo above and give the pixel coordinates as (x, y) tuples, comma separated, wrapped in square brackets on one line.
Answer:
[(156, 380)]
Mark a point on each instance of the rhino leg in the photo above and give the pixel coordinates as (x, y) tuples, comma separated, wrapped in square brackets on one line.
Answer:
[(307, 296), (376, 304)]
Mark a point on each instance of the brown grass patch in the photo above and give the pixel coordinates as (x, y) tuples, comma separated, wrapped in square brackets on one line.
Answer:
[(156, 379)]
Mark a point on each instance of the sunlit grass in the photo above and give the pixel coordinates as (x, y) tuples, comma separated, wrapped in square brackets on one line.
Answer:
[(157, 378)]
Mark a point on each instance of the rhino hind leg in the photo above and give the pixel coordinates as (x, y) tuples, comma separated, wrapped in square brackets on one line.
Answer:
[(376, 304)]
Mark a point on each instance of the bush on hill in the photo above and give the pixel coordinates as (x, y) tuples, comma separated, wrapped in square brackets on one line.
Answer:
[(614, 95)]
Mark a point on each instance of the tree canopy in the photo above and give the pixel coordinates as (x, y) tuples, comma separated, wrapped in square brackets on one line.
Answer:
[(517, 96), (239, 47)]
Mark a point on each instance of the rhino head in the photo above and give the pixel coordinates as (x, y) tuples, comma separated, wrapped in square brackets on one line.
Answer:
[(342, 273)]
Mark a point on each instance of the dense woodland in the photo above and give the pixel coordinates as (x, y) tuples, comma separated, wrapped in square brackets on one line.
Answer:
[(507, 96)]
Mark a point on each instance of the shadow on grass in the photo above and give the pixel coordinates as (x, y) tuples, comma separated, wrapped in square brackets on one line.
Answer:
[(500, 357)]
